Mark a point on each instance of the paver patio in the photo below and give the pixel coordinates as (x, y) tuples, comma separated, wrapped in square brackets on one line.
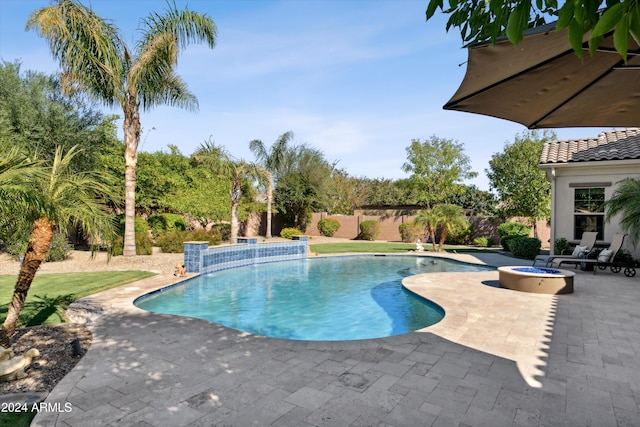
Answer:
[(498, 358)]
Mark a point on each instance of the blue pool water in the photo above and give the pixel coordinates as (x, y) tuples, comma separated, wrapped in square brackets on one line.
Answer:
[(320, 299)]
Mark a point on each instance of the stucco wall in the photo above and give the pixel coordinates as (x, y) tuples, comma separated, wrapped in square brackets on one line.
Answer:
[(582, 175)]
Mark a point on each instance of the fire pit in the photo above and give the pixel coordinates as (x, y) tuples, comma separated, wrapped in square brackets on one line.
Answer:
[(537, 280)]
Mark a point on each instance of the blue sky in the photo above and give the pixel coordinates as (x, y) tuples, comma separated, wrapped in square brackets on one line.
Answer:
[(357, 79)]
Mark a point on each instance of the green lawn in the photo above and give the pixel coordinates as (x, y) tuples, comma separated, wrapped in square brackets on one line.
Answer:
[(50, 294), (359, 246)]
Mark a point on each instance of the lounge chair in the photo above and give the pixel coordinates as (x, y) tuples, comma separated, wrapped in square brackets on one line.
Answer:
[(587, 242), (606, 258)]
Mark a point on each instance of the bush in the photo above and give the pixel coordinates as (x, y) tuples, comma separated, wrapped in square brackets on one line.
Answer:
[(560, 246), (525, 247), (224, 230), (201, 235), (59, 248), (483, 242), (165, 222), (173, 241), (328, 226), (410, 231), (140, 225), (289, 232), (461, 236), (144, 245), (369, 229), (511, 229)]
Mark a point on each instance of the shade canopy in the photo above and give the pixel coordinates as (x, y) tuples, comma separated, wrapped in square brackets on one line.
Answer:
[(541, 83)]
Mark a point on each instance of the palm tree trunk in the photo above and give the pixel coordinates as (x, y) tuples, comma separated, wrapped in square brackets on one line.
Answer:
[(39, 241), (443, 237), (234, 222), (269, 201), (131, 129)]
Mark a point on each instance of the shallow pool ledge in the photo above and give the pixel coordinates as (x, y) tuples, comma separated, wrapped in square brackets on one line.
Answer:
[(200, 258)]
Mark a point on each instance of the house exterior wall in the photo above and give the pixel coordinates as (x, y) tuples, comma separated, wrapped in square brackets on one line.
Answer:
[(567, 177)]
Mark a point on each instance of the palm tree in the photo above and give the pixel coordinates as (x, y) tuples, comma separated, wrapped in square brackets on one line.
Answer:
[(95, 59), (57, 198), (272, 160), (429, 218), (237, 171), (626, 201), (451, 217)]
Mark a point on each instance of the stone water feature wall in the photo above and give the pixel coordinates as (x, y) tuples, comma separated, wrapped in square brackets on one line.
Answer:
[(200, 258)]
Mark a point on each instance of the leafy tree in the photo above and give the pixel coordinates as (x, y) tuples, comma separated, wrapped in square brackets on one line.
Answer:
[(522, 187), (237, 171), (272, 160), (475, 201), (56, 196), (626, 201), (35, 115), (95, 59), (487, 20), (304, 186), (437, 167)]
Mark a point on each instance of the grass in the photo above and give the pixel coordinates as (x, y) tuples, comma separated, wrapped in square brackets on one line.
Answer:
[(360, 246), (50, 294)]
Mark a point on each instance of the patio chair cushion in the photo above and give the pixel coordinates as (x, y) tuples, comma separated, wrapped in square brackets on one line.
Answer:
[(605, 255), (578, 250)]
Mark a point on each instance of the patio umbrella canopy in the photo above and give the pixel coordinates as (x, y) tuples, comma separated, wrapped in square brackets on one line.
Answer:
[(541, 83)]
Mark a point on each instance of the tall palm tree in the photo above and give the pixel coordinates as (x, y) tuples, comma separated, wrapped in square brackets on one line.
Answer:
[(451, 217), (626, 201), (272, 160), (57, 198), (237, 171), (95, 59)]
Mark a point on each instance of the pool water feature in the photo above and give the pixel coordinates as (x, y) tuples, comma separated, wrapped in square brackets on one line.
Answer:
[(319, 299)]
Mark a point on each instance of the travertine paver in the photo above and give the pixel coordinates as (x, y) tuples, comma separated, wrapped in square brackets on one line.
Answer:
[(499, 357)]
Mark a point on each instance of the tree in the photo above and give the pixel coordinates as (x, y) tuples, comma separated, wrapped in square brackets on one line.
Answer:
[(429, 219), (437, 167), (304, 186), (626, 201), (237, 171), (272, 160), (475, 202), (480, 21), (450, 218), (57, 197), (95, 59), (522, 186)]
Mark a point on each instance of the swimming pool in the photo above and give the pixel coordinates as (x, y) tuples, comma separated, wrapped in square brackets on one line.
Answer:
[(318, 299)]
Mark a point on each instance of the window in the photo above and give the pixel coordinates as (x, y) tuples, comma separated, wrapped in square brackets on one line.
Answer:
[(588, 211)]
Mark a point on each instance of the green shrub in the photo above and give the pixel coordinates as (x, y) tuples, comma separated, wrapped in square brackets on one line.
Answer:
[(461, 236), (483, 242), (525, 247), (144, 245), (410, 231), (172, 242), (560, 246), (140, 225), (201, 235), (369, 229), (508, 230), (58, 249), (224, 230), (165, 222), (289, 232), (328, 226)]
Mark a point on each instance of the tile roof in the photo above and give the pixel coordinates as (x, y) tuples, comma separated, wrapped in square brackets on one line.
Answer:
[(609, 145)]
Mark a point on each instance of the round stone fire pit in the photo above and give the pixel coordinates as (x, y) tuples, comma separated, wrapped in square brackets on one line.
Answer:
[(537, 280)]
